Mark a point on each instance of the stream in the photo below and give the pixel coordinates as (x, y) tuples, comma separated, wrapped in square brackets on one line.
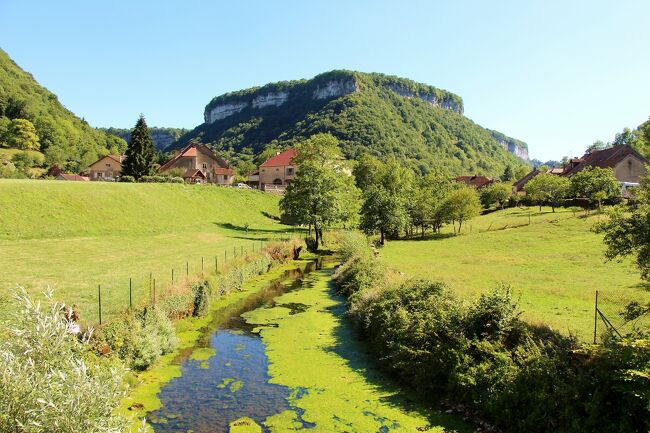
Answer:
[(234, 383), (287, 359)]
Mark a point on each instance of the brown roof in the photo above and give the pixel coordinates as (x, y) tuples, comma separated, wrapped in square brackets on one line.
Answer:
[(117, 158), (191, 151), (475, 181), (519, 185), (69, 176), (606, 158), (192, 173), (281, 159)]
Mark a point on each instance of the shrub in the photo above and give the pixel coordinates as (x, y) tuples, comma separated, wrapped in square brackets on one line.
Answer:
[(201, 293), (48, 380), (147, 179), (139, 338), (128, 179), (175, 179)]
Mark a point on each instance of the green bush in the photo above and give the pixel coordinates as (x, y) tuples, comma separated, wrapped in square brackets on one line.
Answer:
[(128, 179), (483, 357), (175, 179), (139, 338), (49, 382), (201, 293)]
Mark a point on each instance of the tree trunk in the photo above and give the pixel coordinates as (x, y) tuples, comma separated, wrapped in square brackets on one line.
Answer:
[(309, 232), (460, 224), (381, 230), (320, 235), (317, 238)]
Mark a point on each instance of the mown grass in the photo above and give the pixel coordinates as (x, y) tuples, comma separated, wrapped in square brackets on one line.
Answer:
[(74, 236), (554, 265)]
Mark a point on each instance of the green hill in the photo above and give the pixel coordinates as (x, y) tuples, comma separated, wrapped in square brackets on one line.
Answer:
[(384, 115), (72, 236), (162, 137), (65, 139)]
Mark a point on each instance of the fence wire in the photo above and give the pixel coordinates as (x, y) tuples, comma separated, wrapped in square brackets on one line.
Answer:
[(620, 314)]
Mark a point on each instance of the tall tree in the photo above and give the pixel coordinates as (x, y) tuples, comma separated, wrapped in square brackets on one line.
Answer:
[(140, 153), (386, 198), (595, 184), (22, 135), (323, 192), (461, 205)]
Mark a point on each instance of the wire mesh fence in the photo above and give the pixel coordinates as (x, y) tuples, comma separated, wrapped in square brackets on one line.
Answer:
[(620, 314)]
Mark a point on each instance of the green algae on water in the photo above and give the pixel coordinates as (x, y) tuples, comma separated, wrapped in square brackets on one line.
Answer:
[(244, 425)]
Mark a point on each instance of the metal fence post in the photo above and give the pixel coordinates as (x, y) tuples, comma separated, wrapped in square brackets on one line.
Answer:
[(596, 317)]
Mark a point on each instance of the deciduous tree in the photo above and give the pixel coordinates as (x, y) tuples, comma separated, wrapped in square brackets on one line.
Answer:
[(595, 184), (547, 188)]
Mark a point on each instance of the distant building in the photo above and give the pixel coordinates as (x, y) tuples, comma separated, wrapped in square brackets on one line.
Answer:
[(106, 168), (626, 163), (200, 165), (477, 182), (72, 177), (278, 171), (253, 179)]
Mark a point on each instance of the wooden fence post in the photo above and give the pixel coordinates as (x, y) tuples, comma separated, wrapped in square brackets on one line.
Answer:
[(187, 269), (99, 295), (216, 265), (596, 317), (154, 293), (130, 293)]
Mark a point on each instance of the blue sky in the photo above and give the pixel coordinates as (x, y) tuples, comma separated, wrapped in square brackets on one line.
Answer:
[(556, 74)]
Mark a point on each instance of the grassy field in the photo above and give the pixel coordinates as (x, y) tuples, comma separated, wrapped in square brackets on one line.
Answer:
[(72, 236), (554, 265)]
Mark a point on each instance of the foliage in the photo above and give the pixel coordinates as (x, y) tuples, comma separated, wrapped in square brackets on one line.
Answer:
[(66, 140), (375, 119), (201, 292), (140, 154), (497, 193), (596, 184), (481, 356), (626, 232), (126, 178), (48, 380), (162, 137), (22, 135), (461, 205), (322, 193), (138, 338), (385, 198), (548, 188)]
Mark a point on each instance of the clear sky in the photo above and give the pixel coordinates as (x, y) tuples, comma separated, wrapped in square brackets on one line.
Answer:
[(556, 74)]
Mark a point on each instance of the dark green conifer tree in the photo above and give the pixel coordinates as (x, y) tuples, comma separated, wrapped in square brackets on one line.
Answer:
[(140, 153)]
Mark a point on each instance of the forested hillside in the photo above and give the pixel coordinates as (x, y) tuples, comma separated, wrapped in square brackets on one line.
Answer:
[(383, 115), (162, 137), (32, 118)]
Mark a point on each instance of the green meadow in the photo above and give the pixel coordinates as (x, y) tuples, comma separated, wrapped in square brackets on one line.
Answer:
[(74, 236), (554, 265)]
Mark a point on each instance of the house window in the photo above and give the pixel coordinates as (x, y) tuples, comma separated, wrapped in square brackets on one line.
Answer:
[(108, 165), (277, 169), (205, 166), (225, 177), (289, 171), (99, 174)]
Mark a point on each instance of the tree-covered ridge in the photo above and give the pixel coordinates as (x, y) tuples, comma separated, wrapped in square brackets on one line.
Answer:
[(503, 138), (65, 139), (374, 119), (162, 137)]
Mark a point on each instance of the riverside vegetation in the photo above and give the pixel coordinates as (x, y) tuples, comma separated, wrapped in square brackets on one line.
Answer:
[(482, 359)]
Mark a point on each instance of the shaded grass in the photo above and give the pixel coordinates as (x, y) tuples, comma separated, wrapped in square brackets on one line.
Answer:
[(73, 236), (554, 265)]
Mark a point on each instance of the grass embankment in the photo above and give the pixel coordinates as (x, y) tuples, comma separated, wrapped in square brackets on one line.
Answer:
[(315, 352), (554, 265), (192, 333), (72, 236)]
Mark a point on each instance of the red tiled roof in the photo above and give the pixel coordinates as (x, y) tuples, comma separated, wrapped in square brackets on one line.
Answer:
[(475, 181), (191, 150), (606, 158), (519, 185), (282, 159)]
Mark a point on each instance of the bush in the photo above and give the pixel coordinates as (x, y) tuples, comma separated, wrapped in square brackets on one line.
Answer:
[(201, 293), (128, 179), (175, 179), (483, 357), (49, 382), (138, 338)]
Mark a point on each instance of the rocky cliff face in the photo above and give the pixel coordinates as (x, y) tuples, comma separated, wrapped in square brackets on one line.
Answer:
[(512, 145), (230, 104)]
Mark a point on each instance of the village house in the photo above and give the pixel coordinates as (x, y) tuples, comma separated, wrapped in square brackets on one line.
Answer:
[(626, 163), (199, 164), (106, 168), (278, 171), (477, 182)]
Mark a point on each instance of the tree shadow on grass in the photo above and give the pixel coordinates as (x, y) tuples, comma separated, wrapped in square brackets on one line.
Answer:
[(359, 357)]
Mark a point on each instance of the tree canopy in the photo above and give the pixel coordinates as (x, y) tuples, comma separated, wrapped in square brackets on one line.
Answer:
[(140, 154)]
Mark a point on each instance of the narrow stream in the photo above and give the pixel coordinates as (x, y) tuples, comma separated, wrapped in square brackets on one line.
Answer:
[(216, 390)]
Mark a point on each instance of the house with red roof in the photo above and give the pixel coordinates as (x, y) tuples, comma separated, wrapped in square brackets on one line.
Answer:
[(196, 163), (477, 182), (107, 168), (278, 171)]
